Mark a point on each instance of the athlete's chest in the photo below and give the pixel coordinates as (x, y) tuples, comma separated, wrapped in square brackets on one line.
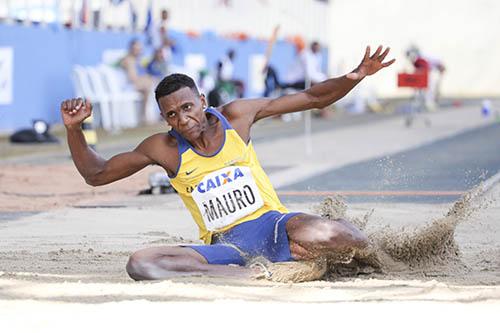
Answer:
[(226, 195), (170, 153), (194, 168)]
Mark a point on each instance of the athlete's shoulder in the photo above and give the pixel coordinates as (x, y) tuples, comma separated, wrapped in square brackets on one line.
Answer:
[(162, 149), (161, 138), (232, 117), (243, 113), (163, 142), (235, 111)]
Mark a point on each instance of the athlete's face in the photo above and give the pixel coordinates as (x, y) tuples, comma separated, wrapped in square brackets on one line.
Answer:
[(184, 111)]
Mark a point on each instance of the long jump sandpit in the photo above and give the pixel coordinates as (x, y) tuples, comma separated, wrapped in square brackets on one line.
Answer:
[(62, 265)]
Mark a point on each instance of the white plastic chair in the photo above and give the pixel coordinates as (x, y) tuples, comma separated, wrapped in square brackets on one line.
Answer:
[(125, 98), (83, 87), (100, 89)]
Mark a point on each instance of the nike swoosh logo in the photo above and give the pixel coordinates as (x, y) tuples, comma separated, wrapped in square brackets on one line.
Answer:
[(190, 172)]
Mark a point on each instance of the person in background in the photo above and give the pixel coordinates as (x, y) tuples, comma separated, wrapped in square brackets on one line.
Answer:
[(137, 75), (160, 39), (306, 70), (314, 63), (434, 68), (225, 73), (306, 67), (206, 82), (157, 67)]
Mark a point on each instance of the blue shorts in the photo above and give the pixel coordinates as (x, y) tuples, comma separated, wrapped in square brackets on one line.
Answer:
[(265, 236)]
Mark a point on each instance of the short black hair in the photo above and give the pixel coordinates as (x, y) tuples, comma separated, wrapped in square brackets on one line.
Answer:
[(172, 83)]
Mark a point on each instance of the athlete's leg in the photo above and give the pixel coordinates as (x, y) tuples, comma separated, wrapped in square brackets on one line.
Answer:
[(312, 237), (162, 262)]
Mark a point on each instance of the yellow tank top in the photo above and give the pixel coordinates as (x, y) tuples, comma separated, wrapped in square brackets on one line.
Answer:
[(224, 189)]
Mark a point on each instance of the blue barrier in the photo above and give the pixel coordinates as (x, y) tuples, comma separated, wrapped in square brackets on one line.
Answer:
[(43, 58)]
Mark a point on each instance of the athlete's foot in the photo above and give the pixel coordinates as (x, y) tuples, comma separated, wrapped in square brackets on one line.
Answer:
[(290, 271), (298, 271), (260, 272), (259, 269)]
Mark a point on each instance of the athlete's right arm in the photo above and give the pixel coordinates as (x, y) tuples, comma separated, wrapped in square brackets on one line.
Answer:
[(93, 168)]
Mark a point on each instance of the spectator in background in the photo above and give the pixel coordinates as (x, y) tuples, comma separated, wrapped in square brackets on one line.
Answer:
[(225, 67), (307, 71), (157, 66), (137, 75), (226, 88), (225, 73), (272, 84), (307, 66), (160, 38), (434, 69), (206, 82), (314, 62)]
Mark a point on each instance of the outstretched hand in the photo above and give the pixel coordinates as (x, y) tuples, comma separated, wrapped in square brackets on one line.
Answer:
[(371, 64), (74, 111)]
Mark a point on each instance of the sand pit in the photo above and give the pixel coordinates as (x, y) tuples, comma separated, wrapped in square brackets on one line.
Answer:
[(41, 187), (63, 252), (393, 252), (428, 249)]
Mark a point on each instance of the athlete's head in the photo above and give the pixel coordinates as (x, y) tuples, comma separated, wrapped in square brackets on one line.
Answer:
[(182, 105)]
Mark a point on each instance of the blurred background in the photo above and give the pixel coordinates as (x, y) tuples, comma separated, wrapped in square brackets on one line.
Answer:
[(51, 50)]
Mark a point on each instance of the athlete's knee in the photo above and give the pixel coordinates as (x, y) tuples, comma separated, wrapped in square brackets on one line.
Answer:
[(136, 267), (142, 264), (342, 234), (334, 234)]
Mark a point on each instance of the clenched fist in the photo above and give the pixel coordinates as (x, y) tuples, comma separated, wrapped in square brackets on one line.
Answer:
[(74, 111)]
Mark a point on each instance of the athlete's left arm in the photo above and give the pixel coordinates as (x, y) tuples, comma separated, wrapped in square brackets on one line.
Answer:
[(318, 96)]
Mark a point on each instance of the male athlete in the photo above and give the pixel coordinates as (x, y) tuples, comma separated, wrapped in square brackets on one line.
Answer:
[(212, 164)]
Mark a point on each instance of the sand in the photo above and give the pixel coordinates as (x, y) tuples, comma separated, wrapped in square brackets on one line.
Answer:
[(63, 251), (40, 187), (395, 253)]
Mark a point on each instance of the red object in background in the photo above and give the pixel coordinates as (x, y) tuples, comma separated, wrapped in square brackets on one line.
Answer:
[(193, 34), (422, 65), (241, 36), (413, 80)]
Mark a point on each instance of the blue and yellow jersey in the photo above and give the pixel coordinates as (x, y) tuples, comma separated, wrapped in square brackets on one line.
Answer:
[(224, 189)]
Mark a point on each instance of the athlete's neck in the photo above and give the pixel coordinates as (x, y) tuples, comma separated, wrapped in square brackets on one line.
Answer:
[(209, 134)]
